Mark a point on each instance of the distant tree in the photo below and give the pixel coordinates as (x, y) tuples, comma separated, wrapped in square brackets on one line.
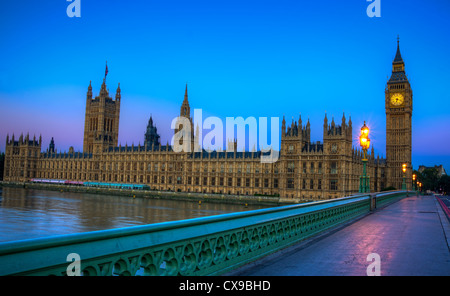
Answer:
[(444, 184), (429, 179)]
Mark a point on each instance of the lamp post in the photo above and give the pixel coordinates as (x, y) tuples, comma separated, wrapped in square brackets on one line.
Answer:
[(404, 176), (364, 184), (414, 181)]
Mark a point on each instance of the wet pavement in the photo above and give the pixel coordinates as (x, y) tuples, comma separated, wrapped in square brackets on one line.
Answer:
[(407, 238)]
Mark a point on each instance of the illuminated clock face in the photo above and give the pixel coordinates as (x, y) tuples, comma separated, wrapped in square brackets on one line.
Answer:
[(397, 99)]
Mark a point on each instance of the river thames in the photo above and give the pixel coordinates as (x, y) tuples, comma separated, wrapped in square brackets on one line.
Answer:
[(28, 213)]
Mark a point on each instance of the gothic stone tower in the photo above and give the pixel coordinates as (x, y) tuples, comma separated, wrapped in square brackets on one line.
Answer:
[(293, 139), (22, 158), (151, 137), (337, 150), (337, 139), (398, 104), (185, 112), (101, 126)]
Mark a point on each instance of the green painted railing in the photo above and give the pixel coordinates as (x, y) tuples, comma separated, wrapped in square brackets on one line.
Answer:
[(201, 246)]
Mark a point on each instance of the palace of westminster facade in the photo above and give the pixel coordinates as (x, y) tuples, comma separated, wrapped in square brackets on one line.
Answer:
[(304, 170)]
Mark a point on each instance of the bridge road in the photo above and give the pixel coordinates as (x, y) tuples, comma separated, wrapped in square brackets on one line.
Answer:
[(411, 237)]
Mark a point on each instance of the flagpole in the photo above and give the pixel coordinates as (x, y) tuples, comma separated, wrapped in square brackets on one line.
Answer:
[(106, 70)]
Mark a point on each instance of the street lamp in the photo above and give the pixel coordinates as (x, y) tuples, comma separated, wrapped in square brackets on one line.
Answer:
[(414, 181), (404, 176), (364, 184)]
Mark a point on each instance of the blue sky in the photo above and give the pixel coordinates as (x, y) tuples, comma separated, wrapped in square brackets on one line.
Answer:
[(239, 58)]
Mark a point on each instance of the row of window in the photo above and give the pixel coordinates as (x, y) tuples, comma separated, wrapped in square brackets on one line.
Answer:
[(313, 184), (24, 152), (397, 86), (240, 182), (205, 181), (178, 166), (108, 124), (312, 169)]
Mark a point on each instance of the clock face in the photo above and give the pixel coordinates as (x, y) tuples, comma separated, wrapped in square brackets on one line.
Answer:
[(397, 99)]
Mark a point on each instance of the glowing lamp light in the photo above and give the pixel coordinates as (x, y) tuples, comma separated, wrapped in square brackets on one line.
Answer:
[(404, 167), (414, 177), (364, 140), (365, 130), (365, 143)]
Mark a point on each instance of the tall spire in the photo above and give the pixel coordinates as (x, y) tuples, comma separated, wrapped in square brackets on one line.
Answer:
[(185, 109), (186, 95), (398, 67), (118, 95), (398, 57), (51, 146), (89, 92), (103, 87)]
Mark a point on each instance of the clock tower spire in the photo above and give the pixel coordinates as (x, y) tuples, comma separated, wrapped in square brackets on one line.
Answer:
[(398, 105)]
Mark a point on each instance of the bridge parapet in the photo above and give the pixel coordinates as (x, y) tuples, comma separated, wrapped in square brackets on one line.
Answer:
[(201, 246)]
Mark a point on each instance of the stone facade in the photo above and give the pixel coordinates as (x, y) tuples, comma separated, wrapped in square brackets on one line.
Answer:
[(304, 171), (439, 168)]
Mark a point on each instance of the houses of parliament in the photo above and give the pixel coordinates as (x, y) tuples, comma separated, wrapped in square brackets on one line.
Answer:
[(305, 170)]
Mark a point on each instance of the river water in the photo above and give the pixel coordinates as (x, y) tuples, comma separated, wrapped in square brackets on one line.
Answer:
[(28, 213)]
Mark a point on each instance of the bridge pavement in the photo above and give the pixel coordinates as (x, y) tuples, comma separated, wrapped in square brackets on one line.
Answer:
[(410, 236)]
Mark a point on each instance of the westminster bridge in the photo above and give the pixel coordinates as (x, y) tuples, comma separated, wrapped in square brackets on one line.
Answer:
[(407, 233)]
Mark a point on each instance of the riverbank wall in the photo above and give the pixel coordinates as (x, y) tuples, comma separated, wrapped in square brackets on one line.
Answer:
[(155, 194)]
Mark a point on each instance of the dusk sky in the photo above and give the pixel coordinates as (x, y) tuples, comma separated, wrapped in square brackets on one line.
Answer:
[(239, 58)]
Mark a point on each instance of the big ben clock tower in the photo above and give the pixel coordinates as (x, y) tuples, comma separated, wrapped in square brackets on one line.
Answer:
[(398, 96)]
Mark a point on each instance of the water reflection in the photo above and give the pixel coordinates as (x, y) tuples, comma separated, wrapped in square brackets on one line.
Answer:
[(27, 213)]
